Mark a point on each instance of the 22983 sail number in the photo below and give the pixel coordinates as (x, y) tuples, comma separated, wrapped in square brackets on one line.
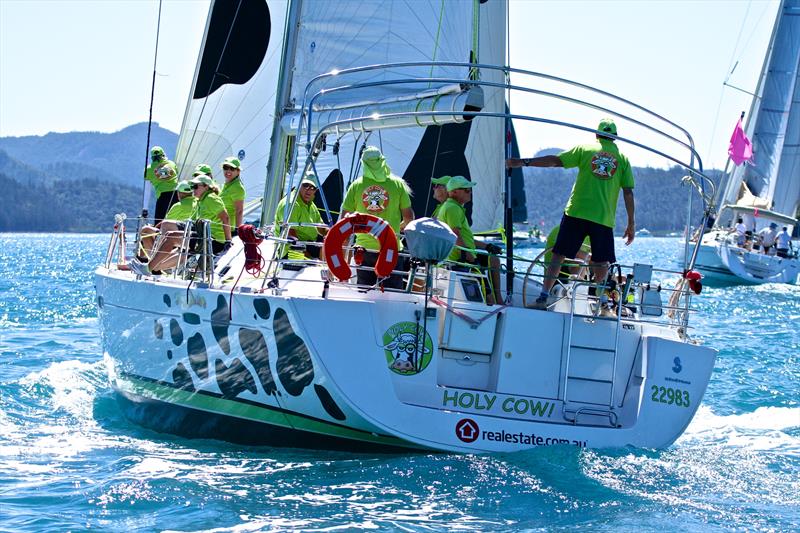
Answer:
[(670, 396)]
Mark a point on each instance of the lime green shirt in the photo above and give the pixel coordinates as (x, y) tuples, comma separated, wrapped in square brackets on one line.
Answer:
[(385, 199), (182, 210), (454, 215), (162, 184), (209, 207), (436, 209), (602, 171), (301, 213), (232, 192)]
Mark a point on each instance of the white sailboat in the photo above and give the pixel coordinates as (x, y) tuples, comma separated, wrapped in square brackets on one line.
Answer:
[(767, 190), (287, 354)]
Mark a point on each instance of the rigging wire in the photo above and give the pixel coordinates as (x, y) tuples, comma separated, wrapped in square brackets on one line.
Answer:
[(150, 121)]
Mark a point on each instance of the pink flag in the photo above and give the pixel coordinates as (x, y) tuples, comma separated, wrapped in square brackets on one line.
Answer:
[(740, 149)]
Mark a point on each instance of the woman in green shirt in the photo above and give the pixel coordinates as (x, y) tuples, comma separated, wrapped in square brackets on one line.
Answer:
[(233, 192)]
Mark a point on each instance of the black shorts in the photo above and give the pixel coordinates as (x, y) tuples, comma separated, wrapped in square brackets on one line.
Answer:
[(194, 240), (163, 203), (574, 230)]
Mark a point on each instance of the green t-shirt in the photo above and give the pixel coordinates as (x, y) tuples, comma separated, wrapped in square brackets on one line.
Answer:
[(385, 199), (232, 192), (602, 171), (182, 210), (209, 207), (436, 209), (454, 215), (301, 213), (164, 184)]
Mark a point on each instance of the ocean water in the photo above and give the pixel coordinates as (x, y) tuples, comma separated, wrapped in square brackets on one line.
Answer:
[(70, 462)]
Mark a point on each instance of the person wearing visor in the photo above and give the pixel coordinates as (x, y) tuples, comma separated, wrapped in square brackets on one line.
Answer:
[(591, 209), (453, 213), (233, 192), (202, 168), (180, 211), (163, 176), (303, 212), (209, 207), (378, 192)]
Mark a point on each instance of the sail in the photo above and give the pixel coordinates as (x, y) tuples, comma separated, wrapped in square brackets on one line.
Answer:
[(772, 180), (232, 104), (348, 34)]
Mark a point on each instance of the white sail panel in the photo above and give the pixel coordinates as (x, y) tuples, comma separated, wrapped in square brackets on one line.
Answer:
[(232, 108)]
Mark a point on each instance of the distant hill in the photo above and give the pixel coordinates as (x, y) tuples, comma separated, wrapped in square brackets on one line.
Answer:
[(661, 200), (118, 156)]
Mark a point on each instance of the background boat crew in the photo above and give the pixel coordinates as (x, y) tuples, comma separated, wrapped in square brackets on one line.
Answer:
[(767, 236), (303, 211), (741, 232), (592, 205), (233, 193), (163, 175), (783, 243), (378, 192), (182, 210), (452, 213)]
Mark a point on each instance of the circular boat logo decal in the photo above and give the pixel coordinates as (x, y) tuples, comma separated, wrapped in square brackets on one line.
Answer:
[(406, 352), (467, 430)]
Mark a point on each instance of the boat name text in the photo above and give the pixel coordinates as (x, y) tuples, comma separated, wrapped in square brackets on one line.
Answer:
[(489, 402)]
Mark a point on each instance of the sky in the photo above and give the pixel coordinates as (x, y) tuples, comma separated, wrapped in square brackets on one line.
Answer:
[(87, 65)]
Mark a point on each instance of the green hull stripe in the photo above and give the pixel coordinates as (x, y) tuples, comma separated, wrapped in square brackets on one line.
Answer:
[(233, 408)]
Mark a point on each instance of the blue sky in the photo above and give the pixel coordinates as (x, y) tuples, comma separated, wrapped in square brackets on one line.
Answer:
[(87, 65)]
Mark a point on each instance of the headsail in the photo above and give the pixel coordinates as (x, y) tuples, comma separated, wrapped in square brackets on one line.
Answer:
[(232, 102)]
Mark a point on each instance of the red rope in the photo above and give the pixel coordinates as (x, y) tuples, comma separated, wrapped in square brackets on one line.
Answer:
[(251, 237)]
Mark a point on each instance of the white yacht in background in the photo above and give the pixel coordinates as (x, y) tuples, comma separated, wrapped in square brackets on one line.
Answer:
[(263, 350), (766, 190)]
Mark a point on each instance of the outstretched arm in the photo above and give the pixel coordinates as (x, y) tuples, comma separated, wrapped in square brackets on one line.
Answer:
[(627, 195), (543, 161)]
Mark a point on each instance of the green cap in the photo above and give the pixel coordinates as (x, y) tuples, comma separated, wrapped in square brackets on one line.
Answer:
[(156, 151), (203, 168), (203, 179), (184, 186), (371, 153), (441, 181), (231, 162), (459, 182), (309, 181), (607, 126)]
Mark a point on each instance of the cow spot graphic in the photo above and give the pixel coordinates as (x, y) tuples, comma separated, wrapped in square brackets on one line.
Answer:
[(261, 305), (198, 357), (219, 324), (169, 354), (175, 332), (158, 329), (294, 366), (254, 347), (182, 378), (191, 318), (327, 402), (167, 300), (234, 378)]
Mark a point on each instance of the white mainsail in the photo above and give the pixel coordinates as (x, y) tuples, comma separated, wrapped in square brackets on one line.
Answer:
[(772, 179)]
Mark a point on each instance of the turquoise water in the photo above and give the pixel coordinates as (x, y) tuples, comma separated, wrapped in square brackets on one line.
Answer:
[(70, 461)]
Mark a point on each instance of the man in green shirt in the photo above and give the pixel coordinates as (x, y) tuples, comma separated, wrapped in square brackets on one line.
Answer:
[(591, 209), (303, 212), (378, 192), (163, 176), (233, 192), (439, 186), (453, 213)]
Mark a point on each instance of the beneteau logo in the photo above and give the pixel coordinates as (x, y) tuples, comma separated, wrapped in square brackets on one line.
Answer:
[(406, 351), (467, 430)]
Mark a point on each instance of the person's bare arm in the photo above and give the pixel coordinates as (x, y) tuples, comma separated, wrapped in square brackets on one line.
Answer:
[(543, 161), (238, 212), (226, 224), (408, 216), (627, 195), (469, 256)]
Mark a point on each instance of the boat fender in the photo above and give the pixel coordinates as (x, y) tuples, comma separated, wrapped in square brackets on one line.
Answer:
[(333, 245)]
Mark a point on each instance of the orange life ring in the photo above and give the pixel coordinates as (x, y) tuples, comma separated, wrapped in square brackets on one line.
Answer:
[(360, 223)]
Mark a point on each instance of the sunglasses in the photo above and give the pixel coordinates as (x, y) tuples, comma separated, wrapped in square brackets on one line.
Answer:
[(226, 167), (308, 186), (196, 185)]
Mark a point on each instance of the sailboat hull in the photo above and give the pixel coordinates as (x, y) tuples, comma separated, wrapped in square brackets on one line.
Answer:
[(723, 263), (336, 372)]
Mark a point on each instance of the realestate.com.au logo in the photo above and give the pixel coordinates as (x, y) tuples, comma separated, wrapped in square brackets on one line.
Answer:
[(467, 430)]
